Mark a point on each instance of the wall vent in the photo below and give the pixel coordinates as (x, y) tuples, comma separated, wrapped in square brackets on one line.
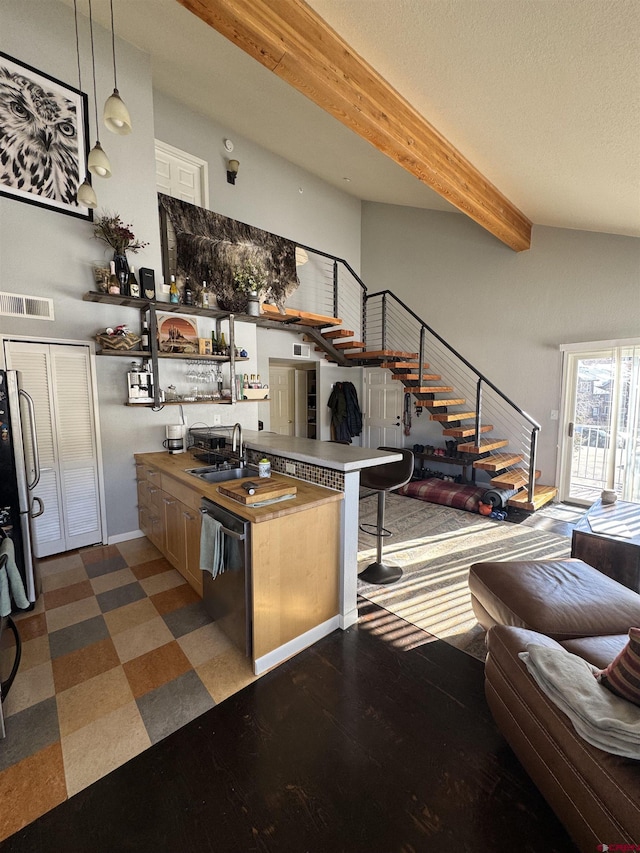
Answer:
[(29, 307), (302, 350)]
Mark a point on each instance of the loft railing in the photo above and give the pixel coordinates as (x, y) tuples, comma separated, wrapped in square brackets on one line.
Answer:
[(330, 286)]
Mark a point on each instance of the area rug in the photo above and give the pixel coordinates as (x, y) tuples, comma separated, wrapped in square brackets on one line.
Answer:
[(436, 545)]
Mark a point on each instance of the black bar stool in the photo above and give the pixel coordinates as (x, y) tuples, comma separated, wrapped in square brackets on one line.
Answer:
[(383, 478)]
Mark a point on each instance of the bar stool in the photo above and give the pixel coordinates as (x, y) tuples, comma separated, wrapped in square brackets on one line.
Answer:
[(383, 478)]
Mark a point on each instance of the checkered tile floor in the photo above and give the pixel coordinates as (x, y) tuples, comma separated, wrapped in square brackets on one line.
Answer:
[(117, 654)]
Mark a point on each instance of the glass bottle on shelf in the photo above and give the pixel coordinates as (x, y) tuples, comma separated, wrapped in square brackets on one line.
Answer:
[(114, 283), (133, 285), (215, 346), (188, 292), (144, 343), (204, 296), (174, 295), (223, 344)]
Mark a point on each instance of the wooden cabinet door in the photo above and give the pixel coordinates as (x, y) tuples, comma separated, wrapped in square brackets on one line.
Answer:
[(192, 523), (174, 531)]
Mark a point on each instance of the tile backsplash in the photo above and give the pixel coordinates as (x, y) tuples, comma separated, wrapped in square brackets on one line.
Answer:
[(326, 477)]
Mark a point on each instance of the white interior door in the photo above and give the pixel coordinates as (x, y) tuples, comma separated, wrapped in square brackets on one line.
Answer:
[(601, 424), (282, 394), (382, 424), (59, 379), (181, 175)]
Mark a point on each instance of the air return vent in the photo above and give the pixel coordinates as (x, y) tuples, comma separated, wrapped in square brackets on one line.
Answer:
[(29, 307), (302, 350)]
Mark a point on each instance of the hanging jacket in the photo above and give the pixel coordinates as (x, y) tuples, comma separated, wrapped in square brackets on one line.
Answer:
[(346, 417)]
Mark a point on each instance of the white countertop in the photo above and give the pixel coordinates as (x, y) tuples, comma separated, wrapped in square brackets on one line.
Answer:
[(338, 457)]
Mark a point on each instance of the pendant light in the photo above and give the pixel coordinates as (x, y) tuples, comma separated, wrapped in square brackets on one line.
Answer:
[(98, 161), (85, 194), (116, 115)]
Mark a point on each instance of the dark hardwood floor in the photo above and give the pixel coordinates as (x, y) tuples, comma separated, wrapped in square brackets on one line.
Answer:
[(375, 740)]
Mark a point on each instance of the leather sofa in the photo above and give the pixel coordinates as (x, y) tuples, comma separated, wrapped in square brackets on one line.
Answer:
[(595, 794)]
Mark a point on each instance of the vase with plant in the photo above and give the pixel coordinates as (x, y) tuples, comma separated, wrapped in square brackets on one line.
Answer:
[(110, 228), (249, 282)]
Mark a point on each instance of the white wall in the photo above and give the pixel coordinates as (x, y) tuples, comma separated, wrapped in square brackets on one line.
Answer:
[(507, 313), (46, 253)]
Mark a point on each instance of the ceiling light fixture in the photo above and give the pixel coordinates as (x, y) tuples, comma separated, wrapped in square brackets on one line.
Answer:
[(98, 161), (116, 115), (85, 194), (232, 170)]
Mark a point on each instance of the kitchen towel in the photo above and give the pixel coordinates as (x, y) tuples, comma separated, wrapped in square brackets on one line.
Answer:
[(211, 546), (11, 586)]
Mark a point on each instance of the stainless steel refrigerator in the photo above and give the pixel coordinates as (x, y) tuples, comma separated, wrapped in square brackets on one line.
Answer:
[(19, 475)]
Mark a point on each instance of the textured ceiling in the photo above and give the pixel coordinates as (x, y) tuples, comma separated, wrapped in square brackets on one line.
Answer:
[(542, 96)]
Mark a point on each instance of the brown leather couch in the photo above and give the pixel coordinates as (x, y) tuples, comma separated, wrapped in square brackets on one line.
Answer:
[(595, 794)]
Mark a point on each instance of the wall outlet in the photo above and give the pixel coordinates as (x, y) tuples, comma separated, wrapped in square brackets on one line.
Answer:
[(217, 420), (290, 467)]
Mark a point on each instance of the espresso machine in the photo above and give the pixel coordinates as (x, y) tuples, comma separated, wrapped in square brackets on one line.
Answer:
[(140, 382)]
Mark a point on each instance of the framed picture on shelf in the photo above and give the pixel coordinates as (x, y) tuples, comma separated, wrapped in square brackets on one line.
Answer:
[(43, 138), (177, 334)]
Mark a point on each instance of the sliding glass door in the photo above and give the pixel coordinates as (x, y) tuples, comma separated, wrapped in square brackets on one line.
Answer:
[(600, 446)]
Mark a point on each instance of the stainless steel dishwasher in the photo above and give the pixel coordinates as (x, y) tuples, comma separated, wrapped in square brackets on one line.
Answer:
[(227, 598)]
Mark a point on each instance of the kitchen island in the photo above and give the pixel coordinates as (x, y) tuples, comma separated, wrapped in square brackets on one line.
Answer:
[(326, 472), (283, 594)]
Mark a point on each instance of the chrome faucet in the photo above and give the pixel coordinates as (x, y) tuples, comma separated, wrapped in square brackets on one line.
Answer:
[(236, 444)]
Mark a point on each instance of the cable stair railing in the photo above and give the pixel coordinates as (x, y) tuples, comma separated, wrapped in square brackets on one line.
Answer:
[(356, 328)]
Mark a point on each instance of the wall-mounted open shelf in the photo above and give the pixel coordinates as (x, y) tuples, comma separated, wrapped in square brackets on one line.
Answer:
[(150, 307)]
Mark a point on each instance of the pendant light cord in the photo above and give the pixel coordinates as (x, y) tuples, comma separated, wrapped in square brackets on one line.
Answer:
[(113, 50), (75, 15), (93, 62)]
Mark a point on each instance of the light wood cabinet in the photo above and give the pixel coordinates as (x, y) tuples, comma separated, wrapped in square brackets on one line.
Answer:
[(296, 571), (168, 515)]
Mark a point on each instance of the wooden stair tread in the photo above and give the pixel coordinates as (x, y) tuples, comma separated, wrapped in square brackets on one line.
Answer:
[(429, 389), (485, 445), (498, 461), (426, 377), (338, 333), (381, 353), (350, 345), (465, 432), (395, 365), (514, 479), (433, 403), (542, 495), (453, 416), (301, 318)]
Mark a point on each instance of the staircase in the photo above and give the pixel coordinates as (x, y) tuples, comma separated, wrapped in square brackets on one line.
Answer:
[(470, 408)]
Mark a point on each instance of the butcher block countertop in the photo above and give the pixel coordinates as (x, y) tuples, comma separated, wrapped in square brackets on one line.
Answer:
[(307, 495)]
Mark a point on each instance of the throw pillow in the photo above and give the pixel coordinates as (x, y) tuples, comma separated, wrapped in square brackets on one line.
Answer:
[(622, 676)]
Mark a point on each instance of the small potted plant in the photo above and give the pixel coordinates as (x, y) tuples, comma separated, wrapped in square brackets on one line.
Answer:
[(243, 292)]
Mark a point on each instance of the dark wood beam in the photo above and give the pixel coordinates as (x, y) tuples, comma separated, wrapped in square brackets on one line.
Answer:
[(290, 39)]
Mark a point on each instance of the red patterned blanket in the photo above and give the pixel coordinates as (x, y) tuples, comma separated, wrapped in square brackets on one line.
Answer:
[(444, 492)]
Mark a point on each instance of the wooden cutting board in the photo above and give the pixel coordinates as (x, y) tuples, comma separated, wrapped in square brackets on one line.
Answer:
[(266, 489)]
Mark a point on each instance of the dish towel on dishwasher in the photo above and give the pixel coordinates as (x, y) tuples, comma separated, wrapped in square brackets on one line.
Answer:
[(211, 546), (11, 586)]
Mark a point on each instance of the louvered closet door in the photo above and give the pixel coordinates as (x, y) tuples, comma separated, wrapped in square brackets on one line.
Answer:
[(59, 380)]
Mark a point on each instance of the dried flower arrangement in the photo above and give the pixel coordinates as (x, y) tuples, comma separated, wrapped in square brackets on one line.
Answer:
[(115, 233), (250, 278)]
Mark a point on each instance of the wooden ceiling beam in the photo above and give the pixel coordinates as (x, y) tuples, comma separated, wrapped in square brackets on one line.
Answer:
[(290, 39)]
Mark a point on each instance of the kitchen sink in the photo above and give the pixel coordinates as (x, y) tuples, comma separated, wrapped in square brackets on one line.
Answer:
[(216, 475)]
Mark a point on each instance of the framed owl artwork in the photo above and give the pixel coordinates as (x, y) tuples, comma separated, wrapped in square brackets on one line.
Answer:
[(43, 138)]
